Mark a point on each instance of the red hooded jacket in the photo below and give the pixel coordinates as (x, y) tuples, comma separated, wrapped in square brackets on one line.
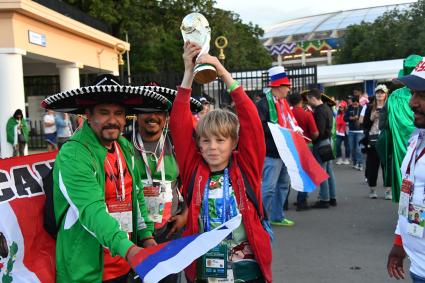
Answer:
[(249, 157)]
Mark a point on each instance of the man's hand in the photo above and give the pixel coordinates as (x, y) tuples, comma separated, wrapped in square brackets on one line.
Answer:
[(395, 262), (134, 250), (178, 222), (149, 243)]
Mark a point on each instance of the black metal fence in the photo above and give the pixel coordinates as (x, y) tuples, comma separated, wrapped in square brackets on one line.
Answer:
[(254, 82), (36, 136)]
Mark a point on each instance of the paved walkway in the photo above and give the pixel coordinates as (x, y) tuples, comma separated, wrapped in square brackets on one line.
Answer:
[(347, 243)]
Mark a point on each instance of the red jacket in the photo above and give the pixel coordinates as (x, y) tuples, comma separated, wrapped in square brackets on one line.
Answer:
[(341, 125), (249, 158)]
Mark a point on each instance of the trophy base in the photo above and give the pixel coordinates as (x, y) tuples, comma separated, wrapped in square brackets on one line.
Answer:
[(204, 73)]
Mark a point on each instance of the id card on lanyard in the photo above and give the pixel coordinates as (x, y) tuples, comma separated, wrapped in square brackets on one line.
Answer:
[(120, 208), (415, 214), (158, 193), (214, 264)]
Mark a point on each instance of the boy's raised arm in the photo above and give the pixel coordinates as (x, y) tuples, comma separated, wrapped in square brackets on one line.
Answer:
[(181, 124)]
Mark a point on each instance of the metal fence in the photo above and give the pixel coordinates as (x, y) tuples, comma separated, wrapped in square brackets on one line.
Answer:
[(254, 82), (36, 135)]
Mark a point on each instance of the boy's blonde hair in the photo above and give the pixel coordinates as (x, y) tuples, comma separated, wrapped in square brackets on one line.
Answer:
[(218, 123)]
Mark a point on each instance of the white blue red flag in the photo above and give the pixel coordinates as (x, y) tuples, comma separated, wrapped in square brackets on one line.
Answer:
[(303, 169), (154, 263)]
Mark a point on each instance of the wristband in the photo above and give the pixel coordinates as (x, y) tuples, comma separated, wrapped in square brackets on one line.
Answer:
[(398, 241), (233, 86), (128, 251), (145, 239)]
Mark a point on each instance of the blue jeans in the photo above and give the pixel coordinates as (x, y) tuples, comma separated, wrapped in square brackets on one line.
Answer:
[(356, 154), (275, 187), (416, 278), (339, 140), (327, 187)]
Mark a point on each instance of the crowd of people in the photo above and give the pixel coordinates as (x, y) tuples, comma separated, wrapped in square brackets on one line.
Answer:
[(188, 168)]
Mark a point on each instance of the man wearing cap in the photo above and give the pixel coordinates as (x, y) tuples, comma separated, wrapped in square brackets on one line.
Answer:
[(396, 125), (274, 108), (98, 200), (409, 235), (355, 132), (159, 171)]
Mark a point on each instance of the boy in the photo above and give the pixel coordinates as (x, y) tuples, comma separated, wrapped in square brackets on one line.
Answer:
[(211, 168)]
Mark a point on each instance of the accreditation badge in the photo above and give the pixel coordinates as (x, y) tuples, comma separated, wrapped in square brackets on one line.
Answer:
[(158, 198), (214, 264), (416, 219), (406, 192), (122, 212)]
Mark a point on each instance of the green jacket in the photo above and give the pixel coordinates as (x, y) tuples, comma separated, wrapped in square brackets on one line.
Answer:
[(10, 130), (85, 226)]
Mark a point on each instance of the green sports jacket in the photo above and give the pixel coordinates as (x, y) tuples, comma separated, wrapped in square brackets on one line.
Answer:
[(85, 226)]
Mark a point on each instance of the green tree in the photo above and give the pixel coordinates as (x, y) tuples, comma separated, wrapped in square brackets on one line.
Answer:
[(153, 28), (394, 35)]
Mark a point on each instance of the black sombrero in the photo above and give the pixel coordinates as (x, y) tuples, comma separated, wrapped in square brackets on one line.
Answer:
[(170, 94), (107, 89)]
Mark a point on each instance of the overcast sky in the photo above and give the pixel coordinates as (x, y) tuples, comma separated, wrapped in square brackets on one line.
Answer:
[(268, 12)]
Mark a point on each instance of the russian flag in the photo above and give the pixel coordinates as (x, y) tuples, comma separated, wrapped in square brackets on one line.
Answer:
[(154, 263), (303, 169)]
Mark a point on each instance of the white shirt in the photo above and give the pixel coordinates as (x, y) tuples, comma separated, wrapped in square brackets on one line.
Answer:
[(49, 118), (414, 246)]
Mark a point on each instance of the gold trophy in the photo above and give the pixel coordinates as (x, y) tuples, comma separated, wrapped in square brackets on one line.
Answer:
[(195, 28)]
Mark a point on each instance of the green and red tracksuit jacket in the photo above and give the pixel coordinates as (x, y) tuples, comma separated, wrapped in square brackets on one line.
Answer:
[(249, 159), (85, 226)]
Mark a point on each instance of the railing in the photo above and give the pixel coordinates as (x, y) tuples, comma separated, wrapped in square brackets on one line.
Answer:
[(36, 136)]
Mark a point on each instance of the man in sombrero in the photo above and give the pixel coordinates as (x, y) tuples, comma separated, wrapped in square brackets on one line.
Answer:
[(98, 196), (159, 170)]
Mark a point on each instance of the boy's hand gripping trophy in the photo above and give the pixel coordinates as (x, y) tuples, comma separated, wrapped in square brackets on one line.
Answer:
[(195, 28)]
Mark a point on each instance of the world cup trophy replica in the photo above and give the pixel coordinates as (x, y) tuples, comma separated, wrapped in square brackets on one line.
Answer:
[(195, 28)]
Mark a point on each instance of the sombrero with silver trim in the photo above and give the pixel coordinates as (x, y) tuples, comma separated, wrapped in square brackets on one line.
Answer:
[(170, 94), (107, 89)]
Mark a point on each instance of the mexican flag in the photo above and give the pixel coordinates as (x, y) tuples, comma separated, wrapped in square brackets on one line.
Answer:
[(27, 251)]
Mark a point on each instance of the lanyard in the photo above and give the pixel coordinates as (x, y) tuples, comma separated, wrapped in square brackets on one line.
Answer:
[(224, 216), (120, 195), (159, 161), (419, 142)]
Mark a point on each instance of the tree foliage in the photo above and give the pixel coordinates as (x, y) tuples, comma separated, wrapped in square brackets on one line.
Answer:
[(153, 28), (395, 35)]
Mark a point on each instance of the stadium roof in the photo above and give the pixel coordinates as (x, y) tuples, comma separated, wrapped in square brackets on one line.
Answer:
[(328, 22)]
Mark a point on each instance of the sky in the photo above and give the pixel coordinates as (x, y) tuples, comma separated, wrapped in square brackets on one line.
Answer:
[(265, 13)]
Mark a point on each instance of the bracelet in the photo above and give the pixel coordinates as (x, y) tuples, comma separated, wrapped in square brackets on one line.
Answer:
[(233, 86), (128, 251), (398, 241)]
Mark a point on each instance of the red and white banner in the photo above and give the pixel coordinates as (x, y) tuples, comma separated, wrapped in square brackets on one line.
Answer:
[(27, 251)]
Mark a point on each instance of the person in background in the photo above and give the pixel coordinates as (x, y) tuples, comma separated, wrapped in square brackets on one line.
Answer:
[(371, 132), (342, 135), (324, 121), (355, 132), (63, 128), (49, 126), (206, 108), (17, 133), (274, 108), (306, 122)]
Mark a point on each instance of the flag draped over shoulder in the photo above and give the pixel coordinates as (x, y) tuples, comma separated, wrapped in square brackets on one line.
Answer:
[(27, 252), (303, 169), (154, 263)]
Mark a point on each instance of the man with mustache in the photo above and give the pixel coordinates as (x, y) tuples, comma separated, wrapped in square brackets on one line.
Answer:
[(98, 199), (409, 235), (159, 173)]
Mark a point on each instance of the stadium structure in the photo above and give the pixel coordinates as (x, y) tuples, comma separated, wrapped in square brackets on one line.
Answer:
[(314, 39)]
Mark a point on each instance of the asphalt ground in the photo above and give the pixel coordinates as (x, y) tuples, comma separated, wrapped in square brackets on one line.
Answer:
[(346, 243)]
